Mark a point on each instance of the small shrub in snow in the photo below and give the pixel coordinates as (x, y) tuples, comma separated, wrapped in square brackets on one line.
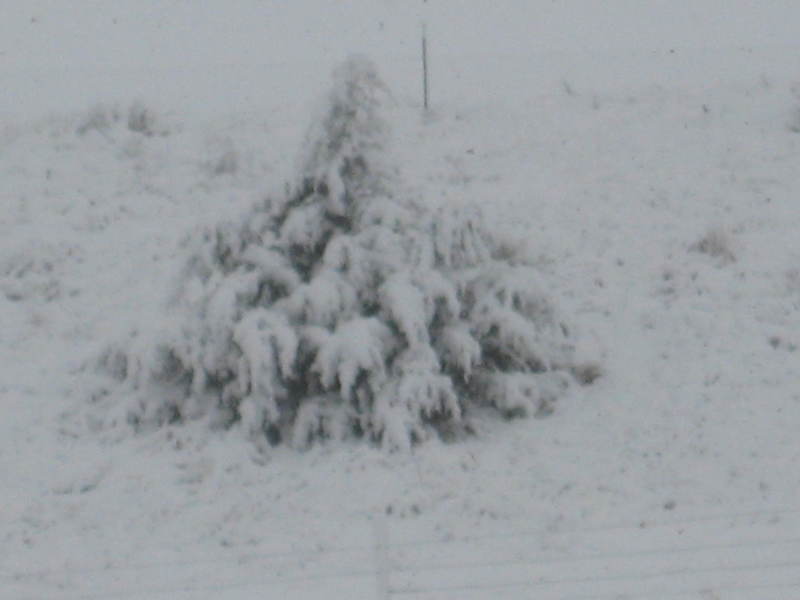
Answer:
[(794, 122), (137, 119), (226, 164), (715, 243), (349, 308), (99, 118), (142, 120), (793, 280), (34, 271)]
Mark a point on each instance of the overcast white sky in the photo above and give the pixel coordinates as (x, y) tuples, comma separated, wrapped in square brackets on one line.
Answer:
[(180, 32), (70, 52)]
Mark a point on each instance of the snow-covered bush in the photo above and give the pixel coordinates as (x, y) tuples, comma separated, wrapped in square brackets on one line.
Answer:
[(350, 308)]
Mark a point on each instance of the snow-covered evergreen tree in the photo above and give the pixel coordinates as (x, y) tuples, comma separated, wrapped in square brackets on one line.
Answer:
[(349, 308)]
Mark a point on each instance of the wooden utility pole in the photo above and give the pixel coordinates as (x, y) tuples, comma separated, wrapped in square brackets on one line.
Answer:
[(424, 66)]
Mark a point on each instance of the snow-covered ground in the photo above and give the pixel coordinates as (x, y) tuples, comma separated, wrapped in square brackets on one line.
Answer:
[(648, 153)]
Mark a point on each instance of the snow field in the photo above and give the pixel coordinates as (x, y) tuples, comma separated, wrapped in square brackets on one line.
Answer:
[(724, 555), (694, 411), (658, 189)]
